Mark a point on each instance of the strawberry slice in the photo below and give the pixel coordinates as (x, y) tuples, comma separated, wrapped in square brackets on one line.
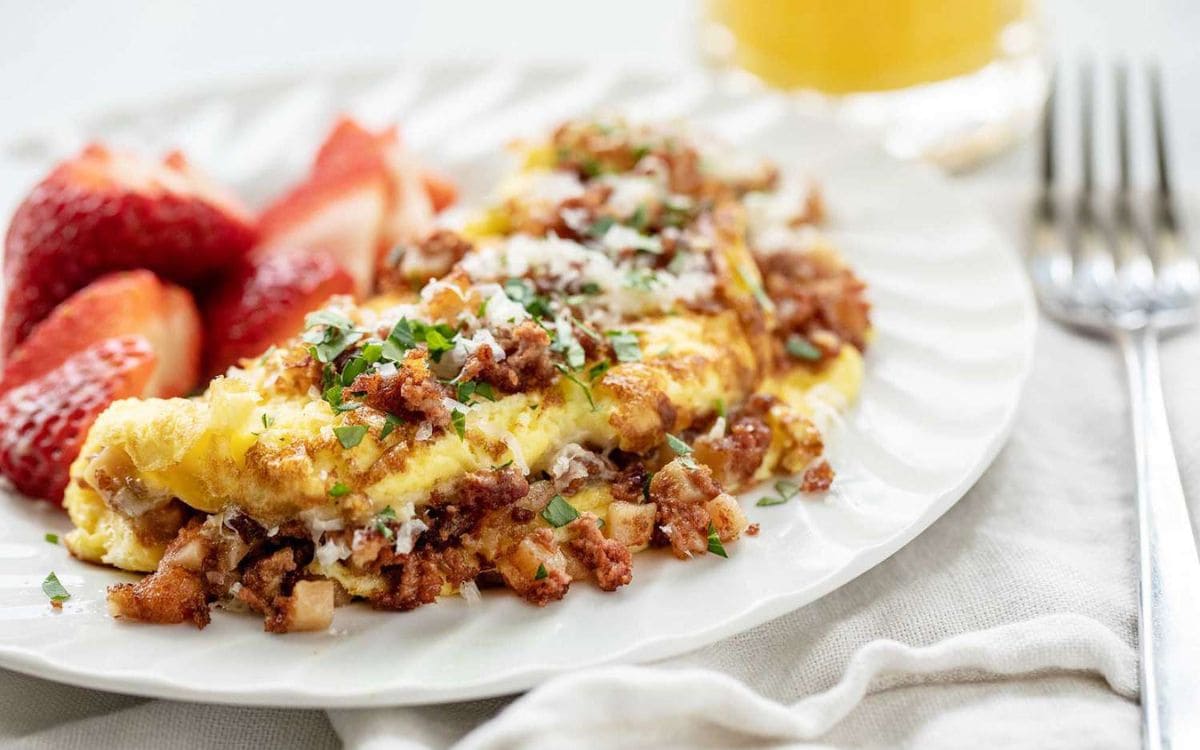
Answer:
[(43, 423), (442, 191), (104, 211), (363, 195), (266, 302), (118, 304)]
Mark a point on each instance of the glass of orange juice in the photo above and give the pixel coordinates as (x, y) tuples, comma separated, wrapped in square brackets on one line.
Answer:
[(948, 80)]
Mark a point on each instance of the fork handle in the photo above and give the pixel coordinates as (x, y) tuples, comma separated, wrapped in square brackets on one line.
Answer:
[(1169, 580)]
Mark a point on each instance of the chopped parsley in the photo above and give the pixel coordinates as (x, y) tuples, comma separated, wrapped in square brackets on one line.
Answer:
[(681, 448), (541, 573), (523, 293), (390, 422), (464, 390), (787, 490), (53, 588), (587, 391), (353, 369), (338, 489), (719, 407), (563, 340), (714, 542), (330, 334), (558, 512), (638, 220), (267, 420), (597, 370), (589, 288), (350, 435), (408, 334), (600, 226), (642, 279), (51, 537), (459, 420), (800, 348), (755, 288), (381, 522), (625, 344)]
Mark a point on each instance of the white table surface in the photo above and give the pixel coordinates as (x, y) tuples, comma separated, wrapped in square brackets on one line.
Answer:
[(57, 59)]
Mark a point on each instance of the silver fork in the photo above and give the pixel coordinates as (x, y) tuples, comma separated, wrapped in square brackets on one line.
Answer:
[(1105, 267)]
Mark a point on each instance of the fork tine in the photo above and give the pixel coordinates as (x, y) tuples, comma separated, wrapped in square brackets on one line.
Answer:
[(1049, 258), (1135, 274), (1094, 267), (1178, 272)]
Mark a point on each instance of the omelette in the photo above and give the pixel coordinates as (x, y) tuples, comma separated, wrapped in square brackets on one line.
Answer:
[(640, 326)]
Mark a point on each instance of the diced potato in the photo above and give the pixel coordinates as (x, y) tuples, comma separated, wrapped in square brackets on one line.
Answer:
[(630, 524), (726, 516), (310, 607), (521, 565)]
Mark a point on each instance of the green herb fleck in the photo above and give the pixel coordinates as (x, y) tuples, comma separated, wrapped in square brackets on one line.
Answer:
[(719, 407), (625, 344), (558, 512), (597, 370), (54, 589), (350, 435), (541, 573), (787, 490), (800, 348), (390, 422), (714, 542), (600, 226), (381, 522), (267, 420), (459, 420), (51, 537), (338, 489), (587, 391), (681, 448), (638, 220)]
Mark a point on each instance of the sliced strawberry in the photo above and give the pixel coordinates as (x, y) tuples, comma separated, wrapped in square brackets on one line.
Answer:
[(339, 216), (104, 211), (442, 191), (363, 194), (43, 423), (118, 304), (266, 302)]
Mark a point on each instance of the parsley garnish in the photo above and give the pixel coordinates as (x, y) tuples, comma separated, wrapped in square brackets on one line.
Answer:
[(597, 370), (330, 334), (800, 348), (523, 293), (558, 512), (541, 573), (338, 489), (381, 522), (589, 288), (54, 589), (267, 420), (354, 368), (681, 448), (714, 542), (787, 490), (587, 391), (719, 407), (459, 420), (390, 422), (51, 537), (638, 220), (601, 226), (350, 435), (625, 344), (407, 334)]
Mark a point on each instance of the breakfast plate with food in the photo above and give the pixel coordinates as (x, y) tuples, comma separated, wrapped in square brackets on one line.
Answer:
[(426, 383)]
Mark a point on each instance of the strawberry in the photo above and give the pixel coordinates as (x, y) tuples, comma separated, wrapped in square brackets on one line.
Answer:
[(442, 191), (266, 302), (106, 210), (363, 194), (118, 304), (43, 423)]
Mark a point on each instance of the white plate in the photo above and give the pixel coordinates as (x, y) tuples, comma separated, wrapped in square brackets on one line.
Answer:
[(955, 326)]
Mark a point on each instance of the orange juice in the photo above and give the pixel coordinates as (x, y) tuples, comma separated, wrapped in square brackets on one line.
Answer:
[(843, 46)]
